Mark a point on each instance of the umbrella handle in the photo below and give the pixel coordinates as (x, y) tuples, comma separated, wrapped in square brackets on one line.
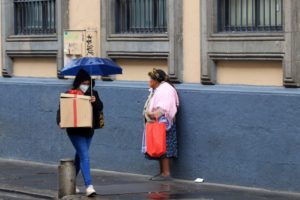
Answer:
[(91, 83), (91, 87)]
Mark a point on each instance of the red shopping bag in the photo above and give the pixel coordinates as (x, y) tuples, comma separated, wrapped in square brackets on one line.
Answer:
[(156, 139)]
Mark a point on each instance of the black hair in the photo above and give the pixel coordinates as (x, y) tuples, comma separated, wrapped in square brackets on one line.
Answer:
[(81, 76)]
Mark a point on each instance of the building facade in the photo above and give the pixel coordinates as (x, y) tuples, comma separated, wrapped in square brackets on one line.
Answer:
[(235, 63)]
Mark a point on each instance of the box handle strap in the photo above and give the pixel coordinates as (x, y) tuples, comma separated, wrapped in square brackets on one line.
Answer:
[(75, 110)]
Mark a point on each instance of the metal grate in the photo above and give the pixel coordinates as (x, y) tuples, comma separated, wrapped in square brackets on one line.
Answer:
[(141, 16), (34, 17), (250, 15)]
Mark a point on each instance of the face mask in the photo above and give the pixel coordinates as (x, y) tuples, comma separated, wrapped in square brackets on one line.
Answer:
[(84, 88)]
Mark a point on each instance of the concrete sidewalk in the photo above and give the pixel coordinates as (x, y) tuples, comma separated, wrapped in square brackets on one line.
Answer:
[(27, 180)]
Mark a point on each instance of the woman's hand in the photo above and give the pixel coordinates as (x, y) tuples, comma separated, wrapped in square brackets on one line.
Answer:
[(93, 99), (156, 114), (149, 114)]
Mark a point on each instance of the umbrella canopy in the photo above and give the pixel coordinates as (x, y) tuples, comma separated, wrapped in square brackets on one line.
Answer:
[(93, 65)]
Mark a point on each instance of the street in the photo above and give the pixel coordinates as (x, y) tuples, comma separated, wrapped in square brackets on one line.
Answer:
[(4, 195), (27, 180)]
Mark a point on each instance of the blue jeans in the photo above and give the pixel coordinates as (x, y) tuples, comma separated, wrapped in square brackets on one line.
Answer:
[(82, 160)]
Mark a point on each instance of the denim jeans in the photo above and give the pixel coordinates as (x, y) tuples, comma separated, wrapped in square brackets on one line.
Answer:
[(82, 161)]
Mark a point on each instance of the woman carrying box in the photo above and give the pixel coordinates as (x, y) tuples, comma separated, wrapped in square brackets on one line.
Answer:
[(81, 137)]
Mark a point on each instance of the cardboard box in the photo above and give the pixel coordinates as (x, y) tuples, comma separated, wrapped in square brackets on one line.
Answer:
[(75, 111)]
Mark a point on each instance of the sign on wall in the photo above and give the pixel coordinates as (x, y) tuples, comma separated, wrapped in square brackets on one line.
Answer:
[(79, 43), (91, 43)]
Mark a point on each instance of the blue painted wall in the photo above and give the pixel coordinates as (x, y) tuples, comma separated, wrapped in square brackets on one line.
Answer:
[(246, 136)]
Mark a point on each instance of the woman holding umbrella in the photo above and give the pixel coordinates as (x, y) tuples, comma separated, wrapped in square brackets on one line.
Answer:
[(81, 137)]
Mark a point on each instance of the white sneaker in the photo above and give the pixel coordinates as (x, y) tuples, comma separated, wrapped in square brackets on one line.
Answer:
[(90, 191), (77, 190)]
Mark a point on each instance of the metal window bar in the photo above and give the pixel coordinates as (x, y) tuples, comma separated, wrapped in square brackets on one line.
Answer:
[(34, 17), (141, 16), (275, 11), (253, 15), (247, 15), (250, 15), (270, 14), (242, 11)]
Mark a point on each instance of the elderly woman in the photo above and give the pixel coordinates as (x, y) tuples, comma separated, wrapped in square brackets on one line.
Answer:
[(162, 103)]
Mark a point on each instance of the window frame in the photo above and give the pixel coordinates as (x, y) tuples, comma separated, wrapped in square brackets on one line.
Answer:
[(33, 28), (109, 26), (246, 46), (142, 22), (223, 13), (167, 46), (42, 45)]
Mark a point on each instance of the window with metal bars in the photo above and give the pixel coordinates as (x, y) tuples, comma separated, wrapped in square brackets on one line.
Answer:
[(250, 15), (34, 17), (141, 16)]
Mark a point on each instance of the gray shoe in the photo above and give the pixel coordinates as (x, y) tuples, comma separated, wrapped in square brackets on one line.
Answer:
[(154, 177), (161, 178)]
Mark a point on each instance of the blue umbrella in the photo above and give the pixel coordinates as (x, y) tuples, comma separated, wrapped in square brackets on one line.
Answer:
[(93, 65)]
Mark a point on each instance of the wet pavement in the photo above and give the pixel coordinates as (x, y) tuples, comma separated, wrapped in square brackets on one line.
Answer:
[(26, 180), (176, 190), (19, 196)]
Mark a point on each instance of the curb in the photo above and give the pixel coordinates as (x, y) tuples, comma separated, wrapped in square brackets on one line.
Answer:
[(43, 194)]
